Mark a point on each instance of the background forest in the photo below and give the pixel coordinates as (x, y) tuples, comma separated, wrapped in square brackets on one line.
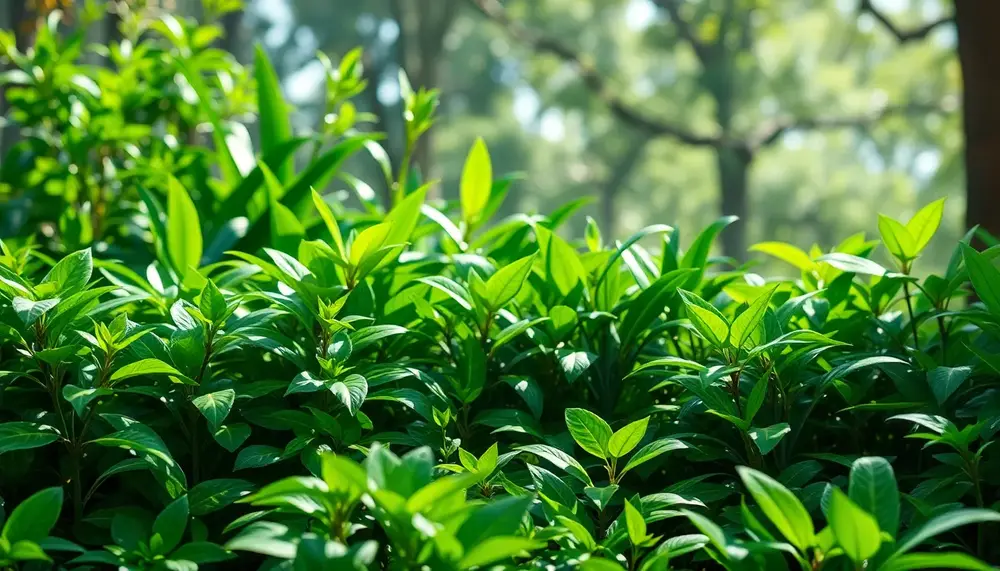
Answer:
[(802, 118)]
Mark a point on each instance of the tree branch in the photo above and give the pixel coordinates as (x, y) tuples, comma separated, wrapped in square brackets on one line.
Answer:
[(773, 133), (902, 35), (593, 79), (684, 29)]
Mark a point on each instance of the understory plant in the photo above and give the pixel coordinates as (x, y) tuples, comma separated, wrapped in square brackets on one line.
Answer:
[(208, 361)]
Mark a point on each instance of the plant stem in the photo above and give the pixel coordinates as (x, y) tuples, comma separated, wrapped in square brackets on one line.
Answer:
[(909, 309), (943, 332)]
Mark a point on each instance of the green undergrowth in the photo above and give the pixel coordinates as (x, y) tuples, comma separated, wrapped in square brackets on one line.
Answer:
[(207, 364)]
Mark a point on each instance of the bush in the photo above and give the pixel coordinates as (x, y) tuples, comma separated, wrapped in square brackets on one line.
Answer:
[(214, 366)]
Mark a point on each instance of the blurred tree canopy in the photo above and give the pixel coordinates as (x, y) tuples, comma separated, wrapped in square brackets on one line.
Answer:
[(802, 118)]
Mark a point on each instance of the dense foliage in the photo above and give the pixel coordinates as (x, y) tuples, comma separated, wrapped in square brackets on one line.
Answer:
[(208, 364)]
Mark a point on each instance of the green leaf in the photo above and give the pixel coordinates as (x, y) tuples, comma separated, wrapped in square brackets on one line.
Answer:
[(477, 180), (580, 533), (561, 262), (232, 436), (213, 495), (952, 561), (781, 507), (601, 496), (786, 253), (747, 322), (697, 256), (171, 523), (140, 438), (33, 519), (440, 490), (873, 487), (201, 552), (528, 390), (257, 456), (589, 431), (27, 551), (635, 524), (853, 264), (652, 450), (495, 549), (627, 438), (940, 524), (708, 320), (183, 229), (560, 460), (266, 538), (856, 531), (924, 224), (29, 311), (507, 281), (212, 303), (331, 223), (25, 435), (275, 127), (215, 406), (351, 392), (756, 398), (944, 381), (985, 278), (144, 367), (897, 238), (767, 438), (225, 160), (71, 274), (574, 363), (649, 304), (597, 564)]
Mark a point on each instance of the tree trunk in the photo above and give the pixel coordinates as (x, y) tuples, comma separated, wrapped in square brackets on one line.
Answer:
[(234, 41), (978, 53), (734, 169), (619, 175)]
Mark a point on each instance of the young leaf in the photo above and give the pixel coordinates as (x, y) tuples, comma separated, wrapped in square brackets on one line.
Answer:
[(507, 281), (651, 451), (767, 438), (925, 223), (183, 229), (627, 438), (171, 523), (706, 319), (561, 263), (477, 179), (635, 524), (856, 531), (747, 322), (495, 549), (985, 278), (589, 431), (873, 488), (351, 392), (215, 406), (560, 460), (71, 274), (33, 518), (781, 507), (897, 238), (275, 127)]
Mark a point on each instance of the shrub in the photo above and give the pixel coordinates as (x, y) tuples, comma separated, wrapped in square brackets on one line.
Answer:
[(420, 387)]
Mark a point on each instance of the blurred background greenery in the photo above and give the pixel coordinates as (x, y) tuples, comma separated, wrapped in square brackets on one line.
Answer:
[(803, 117)]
